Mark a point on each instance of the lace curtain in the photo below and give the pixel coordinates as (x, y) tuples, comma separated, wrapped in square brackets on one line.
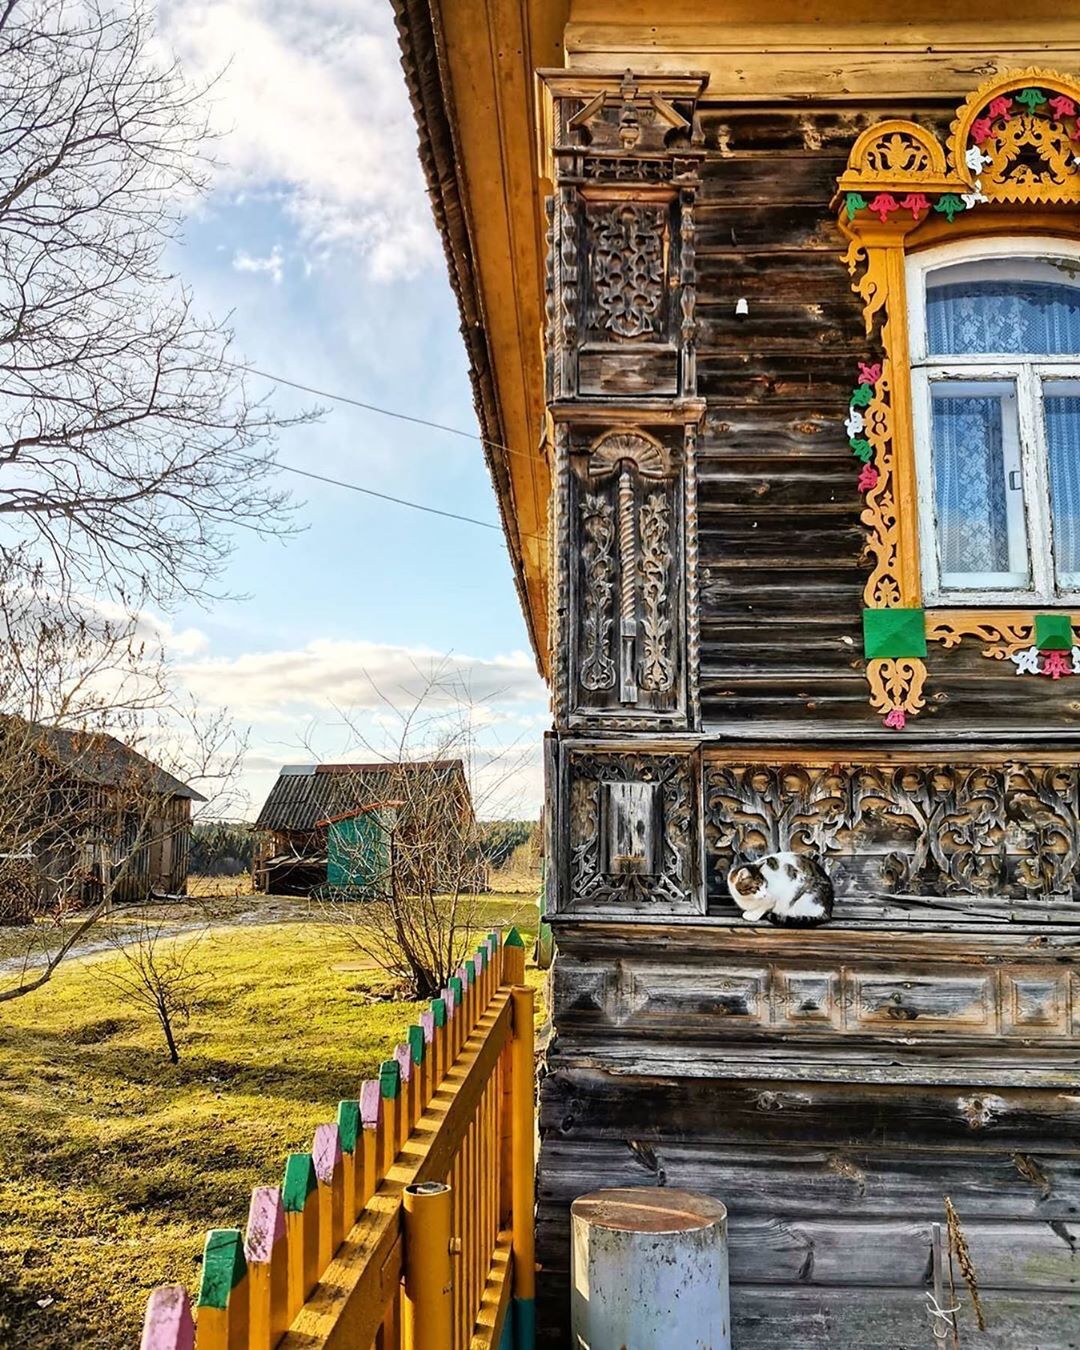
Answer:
[(1013, 317), (1063, 449), (973, 531)]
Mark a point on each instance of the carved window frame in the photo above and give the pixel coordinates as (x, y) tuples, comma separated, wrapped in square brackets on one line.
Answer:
[(903, 192)]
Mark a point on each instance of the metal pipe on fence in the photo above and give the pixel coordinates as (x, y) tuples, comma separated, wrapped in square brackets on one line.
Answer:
[(428, 1275)]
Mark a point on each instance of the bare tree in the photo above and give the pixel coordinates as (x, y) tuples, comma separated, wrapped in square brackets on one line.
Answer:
[(407, 871), (158, 971), (129, 448)]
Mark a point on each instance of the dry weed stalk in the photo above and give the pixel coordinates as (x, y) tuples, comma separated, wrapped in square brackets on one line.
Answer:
[(958, 1244)]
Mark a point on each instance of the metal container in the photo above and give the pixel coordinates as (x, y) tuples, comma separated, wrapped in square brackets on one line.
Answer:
[(649, 1271)]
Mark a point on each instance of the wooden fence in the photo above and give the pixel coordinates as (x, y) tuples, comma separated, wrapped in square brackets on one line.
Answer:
[(409, 1225)]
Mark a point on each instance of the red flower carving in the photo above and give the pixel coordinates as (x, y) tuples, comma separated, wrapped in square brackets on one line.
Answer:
[(1063, 107), (896, 719), (868, 478), (917, 203), (1000, 107), (980, 130), (869, 374), (1055, 665), (883, 205)]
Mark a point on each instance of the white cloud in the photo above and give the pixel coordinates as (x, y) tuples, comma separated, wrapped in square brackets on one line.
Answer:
[(312, 108), (328, 674), (335, 700), (273, 264)]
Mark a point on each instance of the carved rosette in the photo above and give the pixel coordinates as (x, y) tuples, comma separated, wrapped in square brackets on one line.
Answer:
[(658, 812), (963, 829), (1014, 141)]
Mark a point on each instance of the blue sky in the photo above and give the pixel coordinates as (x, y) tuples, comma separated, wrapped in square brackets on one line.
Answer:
[(317, 238)]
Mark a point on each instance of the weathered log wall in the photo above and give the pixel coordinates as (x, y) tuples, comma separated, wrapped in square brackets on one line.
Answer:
[(830, 1087)]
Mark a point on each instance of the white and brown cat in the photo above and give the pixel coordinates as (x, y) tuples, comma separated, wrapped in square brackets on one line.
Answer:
[(789, 889)]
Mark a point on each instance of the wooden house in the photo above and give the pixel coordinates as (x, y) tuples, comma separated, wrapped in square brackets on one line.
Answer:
[(773, 314), (344, 826), (85, 818)]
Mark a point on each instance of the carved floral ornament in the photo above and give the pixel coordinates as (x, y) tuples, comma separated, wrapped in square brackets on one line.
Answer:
[(1014, 143)]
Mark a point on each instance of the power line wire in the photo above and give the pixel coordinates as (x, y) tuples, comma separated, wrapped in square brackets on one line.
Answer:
[(377, 408)]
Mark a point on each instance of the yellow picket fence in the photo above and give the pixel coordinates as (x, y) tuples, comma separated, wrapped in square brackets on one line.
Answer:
[(409, 1224)]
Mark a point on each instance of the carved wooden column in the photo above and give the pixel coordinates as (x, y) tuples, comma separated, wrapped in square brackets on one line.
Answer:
[(622, 400)]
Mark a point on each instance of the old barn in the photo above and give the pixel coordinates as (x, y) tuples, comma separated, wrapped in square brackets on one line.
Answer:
[(85, 818), (773, 312)]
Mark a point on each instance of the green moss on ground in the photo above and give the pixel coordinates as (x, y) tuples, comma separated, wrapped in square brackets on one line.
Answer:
[(113, 1162)]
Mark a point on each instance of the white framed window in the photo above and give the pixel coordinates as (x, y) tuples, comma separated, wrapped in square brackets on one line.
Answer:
[(995, 374)]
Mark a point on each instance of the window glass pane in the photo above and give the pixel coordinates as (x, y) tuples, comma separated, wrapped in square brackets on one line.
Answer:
[(978, 488), (1061, 402), (1006, 305)]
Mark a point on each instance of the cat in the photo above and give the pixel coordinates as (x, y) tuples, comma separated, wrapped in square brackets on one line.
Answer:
[(788, 889)]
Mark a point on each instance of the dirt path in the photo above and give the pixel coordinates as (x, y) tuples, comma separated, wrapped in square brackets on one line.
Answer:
[(123, 934)]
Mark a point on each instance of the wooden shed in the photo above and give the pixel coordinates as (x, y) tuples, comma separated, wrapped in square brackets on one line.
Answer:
[(85, 818), (345, 825), (773, 316)]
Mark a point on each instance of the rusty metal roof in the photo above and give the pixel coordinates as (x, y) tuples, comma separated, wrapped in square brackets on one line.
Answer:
[(307, 794)]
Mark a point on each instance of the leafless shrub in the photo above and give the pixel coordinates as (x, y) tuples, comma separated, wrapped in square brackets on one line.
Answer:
[(413, 904), (158, 971)]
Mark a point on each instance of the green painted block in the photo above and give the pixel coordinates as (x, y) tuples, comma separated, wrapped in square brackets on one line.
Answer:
[(455, 985), (299, 1182), (223, 1267), (438, 1011), (348, 1123), (893, 633), (390, 1078), (1053, 632), (470, 973), (514, 939), (416, 1044)]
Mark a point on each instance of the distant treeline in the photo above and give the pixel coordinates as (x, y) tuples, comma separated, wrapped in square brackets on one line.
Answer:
[(220, 850), (500, 838)]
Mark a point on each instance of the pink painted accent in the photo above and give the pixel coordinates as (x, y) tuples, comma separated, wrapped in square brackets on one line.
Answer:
[(448, 999), (478, 964), (869, 374), (265, 1225), (1063, 107), (403, 1055), (1001, 107), (980, 130), (868, 478), (897, 719), (326, 1152), (917, 203), (169, 1324), (883, 205), (1055, 665), (370, 1103), (427, 1021)]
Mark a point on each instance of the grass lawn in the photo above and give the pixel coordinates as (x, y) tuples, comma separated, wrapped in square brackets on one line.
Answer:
[(113, 1162)]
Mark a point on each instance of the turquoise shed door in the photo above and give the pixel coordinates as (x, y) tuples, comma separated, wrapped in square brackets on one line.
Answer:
[(358, 851)]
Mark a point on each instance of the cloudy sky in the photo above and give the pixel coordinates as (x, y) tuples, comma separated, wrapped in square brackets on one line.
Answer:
[(318, 240)]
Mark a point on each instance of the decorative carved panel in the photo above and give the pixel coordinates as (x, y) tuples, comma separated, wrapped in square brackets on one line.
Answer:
[(620, 314), (945, 829), (631, 832), (622, 550), (869, 995)]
